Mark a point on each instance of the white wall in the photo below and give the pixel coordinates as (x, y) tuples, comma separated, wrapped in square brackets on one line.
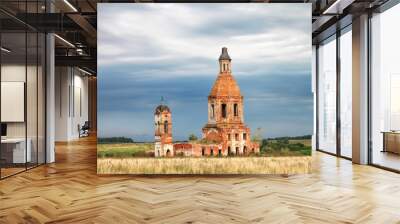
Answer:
[(71, 102), (17, 73), (80, 104), (12, 73), (33, 126), (62, 82)]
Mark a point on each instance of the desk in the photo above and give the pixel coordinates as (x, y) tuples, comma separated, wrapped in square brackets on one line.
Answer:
[(391, 142), (13, 150)]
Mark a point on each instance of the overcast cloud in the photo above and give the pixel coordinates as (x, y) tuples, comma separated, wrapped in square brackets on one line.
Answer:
[(146, 51)]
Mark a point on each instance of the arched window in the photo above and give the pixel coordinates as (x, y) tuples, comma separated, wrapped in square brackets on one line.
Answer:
[(229, 150), (212, 111), (245, 150), (237, 150), (211, 152), (166, 127), (235, 110), (223, 110)]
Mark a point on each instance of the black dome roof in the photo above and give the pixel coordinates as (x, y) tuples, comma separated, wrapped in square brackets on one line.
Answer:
[(224, 54), (161, 108)]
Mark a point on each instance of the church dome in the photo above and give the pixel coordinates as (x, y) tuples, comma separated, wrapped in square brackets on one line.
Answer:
[(225, 85), (161, 108)]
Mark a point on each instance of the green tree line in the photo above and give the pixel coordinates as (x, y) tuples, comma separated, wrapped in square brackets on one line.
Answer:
[(282, 146), (114, 140)]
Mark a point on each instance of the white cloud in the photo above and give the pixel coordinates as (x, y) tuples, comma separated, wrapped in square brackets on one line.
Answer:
[(260, 37)]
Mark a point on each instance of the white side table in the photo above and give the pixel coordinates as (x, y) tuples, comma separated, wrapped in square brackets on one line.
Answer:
[(19, 153)]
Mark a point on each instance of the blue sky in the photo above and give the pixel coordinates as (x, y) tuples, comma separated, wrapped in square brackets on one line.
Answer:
[(146, 51)]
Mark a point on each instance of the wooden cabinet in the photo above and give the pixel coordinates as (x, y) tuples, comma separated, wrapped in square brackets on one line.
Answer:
[(391, 142)]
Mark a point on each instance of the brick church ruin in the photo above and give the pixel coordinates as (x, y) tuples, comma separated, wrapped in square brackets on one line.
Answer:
[(225, 132)]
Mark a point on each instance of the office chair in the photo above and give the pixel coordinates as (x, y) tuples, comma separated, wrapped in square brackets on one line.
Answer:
[(84, 130)]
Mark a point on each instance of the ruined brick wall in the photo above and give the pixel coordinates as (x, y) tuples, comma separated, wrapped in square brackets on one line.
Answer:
[(163, 127), (163, 132)]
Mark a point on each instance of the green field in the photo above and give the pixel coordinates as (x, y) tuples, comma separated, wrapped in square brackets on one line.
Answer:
[(124, 150), (268, 147), (286, 147)]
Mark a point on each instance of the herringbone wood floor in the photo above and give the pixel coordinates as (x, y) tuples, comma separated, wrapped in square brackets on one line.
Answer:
[(69, 191)]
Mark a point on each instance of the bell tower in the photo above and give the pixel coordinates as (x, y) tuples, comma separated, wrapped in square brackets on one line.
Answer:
[(225, 102), (224, 61), (163, 131), (225, 112)]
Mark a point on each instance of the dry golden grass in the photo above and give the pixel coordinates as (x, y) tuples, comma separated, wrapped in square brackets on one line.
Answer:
[(229, 165)]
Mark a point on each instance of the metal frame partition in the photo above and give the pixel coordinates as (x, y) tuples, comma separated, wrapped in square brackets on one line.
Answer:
[(369, 55), (326, 39), (340, 75), (35, 46), (339, 27), (340, 30), (338, 97), (382, 8)]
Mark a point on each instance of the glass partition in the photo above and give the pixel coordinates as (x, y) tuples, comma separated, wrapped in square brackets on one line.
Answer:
[(346, 93), (31, 97), (14, 153), (22, 77), (385, 89), (327, 96)]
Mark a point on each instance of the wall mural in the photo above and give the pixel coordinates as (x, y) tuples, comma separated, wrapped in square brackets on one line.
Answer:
[(204, 89)]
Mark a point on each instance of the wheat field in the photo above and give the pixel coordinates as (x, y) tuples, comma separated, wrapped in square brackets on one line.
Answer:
[(228, 165)]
